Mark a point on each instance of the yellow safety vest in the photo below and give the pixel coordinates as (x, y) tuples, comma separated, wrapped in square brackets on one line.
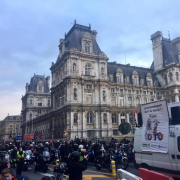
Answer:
[(18, 155)]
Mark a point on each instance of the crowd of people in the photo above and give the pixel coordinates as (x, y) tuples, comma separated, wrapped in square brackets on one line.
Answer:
[(72, 152)]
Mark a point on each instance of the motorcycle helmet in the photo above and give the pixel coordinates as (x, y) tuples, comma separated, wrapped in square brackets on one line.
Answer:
[(75, 156), (46, 143), (81, 146), (50, 142)]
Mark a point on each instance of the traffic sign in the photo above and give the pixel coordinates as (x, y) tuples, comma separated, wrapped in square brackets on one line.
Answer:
[(18, 138), (36, 138)]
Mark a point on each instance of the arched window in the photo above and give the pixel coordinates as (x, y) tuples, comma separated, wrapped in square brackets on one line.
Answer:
[(89, 117), (75, 94), (75, 117), (114, 118), (135, 80), (87, 47), (74, 67), (131, 118), (105, 117), (40, 88), (104, 96), (177, 76), (88, 70), (102, 71), (170, 76)]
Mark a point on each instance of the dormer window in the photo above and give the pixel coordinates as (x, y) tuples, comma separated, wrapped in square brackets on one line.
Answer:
[(40, 89), (87, 47)]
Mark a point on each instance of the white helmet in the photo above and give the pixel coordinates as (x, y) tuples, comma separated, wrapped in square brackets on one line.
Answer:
[(81, 146), (46, 143)]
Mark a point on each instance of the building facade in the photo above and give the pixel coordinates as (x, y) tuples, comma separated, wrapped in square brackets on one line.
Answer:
[(90, 96), (36, 101), (10, 127)]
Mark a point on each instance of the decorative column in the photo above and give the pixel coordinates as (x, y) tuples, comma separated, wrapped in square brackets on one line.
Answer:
[(84, 124), (127, 117), (109, 124)]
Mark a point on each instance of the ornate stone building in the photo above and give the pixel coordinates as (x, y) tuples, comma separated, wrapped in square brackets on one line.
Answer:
[(36, 101), (10, 127), (91, 96)]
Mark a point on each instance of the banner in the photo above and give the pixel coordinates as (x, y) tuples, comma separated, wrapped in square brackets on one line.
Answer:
[(155, 130), (28, 136)]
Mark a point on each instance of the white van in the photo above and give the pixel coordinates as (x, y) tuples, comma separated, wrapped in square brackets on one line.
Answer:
[(168, 162)]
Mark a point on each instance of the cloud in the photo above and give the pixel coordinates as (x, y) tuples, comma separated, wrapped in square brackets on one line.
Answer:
[(30, 33)]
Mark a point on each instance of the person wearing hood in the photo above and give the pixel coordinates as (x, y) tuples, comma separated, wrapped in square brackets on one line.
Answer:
[(75, 168)]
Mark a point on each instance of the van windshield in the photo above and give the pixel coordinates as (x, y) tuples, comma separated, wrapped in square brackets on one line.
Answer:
[(178, 143)]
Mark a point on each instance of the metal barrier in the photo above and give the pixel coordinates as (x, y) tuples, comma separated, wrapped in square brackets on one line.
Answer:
[(122, 174)]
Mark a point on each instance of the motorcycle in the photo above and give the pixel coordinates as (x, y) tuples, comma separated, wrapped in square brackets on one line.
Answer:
[(128, 148), (27, 159), (42, 162), (59, 172), (103, 161), (54, 155)]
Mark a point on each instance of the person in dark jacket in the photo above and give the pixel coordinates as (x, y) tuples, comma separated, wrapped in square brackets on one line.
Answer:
[(62, 152), (13, 156), (75, 168)]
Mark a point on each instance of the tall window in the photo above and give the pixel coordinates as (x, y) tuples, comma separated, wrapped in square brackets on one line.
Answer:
[(30, 101), (75, 117), (40, 88), (88, 98), (39, 111), (102, 71), (165, 79), (135, 80), (105, 117), (129, 101), (87, 47), (74, 67), (88, 70), (30, 116), (49, 103), (137, 101), (177, 76), (114, 118), (170, 76), (60, 99), (39, 102), (75, 94), (89, 117), (123, 117), (104, 96)]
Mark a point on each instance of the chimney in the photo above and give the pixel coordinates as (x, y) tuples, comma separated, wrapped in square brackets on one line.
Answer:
[(94, 32), (48, 81), (26, 87)]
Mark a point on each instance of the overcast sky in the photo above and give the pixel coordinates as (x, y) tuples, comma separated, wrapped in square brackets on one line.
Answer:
[(30, 31)]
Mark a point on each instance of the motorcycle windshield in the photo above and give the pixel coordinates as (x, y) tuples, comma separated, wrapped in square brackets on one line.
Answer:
[(46, 154), (28, 152)]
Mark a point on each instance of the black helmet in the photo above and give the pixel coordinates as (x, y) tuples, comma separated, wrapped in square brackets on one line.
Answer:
[(75, 156)]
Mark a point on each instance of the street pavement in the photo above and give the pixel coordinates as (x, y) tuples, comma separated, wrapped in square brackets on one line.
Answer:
[(90, 174)]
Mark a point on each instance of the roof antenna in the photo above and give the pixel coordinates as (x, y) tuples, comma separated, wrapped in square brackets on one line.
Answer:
[(169, 35), (75, 21), (161, 33)]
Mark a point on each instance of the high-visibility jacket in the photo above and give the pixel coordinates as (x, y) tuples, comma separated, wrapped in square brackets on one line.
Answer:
[(81, 157), (18, 155)]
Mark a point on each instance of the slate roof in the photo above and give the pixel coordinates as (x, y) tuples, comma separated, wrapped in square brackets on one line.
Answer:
[(170, 53), (74, 36), (34, 81), (12, 118), (127, 69)]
